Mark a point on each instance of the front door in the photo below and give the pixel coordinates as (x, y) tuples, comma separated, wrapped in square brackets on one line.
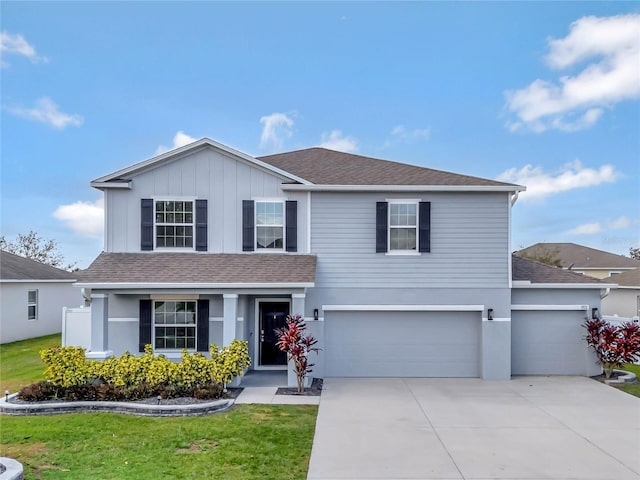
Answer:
[(272, 316)]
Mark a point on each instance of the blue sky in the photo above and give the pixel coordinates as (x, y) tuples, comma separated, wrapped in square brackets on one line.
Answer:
[(546, 94)]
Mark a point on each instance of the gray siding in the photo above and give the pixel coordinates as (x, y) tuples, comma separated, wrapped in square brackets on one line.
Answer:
[(560, 296), (469, 242), (207, 174), (14, 323)]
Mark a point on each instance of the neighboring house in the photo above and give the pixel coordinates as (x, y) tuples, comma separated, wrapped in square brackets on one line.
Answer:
[(625, 300), (32, 296), (399, 270), (581, 259)]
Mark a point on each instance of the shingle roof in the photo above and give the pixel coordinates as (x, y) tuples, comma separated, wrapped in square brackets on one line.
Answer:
[(579, 256), (630, 278), (217, 268), (328, 167), (536, 272), (15, 267)]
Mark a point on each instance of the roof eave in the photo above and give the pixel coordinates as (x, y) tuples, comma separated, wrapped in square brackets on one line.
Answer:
[(152, 286), (404, 188), (105, 180), (528, 284)]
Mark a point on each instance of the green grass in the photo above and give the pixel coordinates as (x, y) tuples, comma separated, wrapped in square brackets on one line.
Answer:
[(249, 441), (20, 362), (632, 389)]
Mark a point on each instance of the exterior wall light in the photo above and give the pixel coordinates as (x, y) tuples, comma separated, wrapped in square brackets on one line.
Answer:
[(490, 314), (315, 314)]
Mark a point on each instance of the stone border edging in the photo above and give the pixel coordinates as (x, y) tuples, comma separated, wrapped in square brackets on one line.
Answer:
[(624, 378), (13, 469), (130, 408)]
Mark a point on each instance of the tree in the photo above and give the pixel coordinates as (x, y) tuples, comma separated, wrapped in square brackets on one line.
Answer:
[(32, 246), (543, 254), (634, 253)]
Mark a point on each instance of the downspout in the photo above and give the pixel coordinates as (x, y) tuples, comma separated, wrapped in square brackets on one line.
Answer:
[(514, 198), (604, 293)]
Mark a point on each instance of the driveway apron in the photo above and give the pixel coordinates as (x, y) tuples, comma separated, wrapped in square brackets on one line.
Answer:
[(533, 428)]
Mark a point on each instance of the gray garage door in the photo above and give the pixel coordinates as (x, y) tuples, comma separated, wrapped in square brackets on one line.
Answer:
[(402, 344), (548, 343)]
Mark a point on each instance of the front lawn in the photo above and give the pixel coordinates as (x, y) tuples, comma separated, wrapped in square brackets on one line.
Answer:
[(632, 389), (20, 362), (249, 441)]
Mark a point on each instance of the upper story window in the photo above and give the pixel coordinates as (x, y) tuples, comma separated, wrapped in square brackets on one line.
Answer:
[(32, 305), (403, 226), (174, 224), (269, 225)]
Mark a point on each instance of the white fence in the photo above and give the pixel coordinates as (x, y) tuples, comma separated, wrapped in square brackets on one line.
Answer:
[(76, 327)]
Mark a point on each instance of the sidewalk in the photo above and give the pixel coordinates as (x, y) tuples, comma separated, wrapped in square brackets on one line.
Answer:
[(267, 395)]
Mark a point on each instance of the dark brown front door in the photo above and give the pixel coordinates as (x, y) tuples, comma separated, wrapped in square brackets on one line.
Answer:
[(272, 317)]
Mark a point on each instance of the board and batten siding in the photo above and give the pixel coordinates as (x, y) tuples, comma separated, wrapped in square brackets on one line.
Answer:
[(206, 174), (469, 242)]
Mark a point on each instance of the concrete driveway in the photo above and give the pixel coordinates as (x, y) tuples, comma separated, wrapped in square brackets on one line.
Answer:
[(530, 428)]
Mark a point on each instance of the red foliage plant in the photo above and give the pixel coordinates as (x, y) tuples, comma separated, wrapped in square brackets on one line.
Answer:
[(297, 345), (614, 345)]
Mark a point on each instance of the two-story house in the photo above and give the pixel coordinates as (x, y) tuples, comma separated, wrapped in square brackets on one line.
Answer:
[(399, 270)]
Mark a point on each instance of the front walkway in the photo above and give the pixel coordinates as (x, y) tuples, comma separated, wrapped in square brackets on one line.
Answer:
[(530, 428), (261, 387)]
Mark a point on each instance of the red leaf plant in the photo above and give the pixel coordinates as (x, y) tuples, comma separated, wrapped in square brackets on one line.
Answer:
[(614, 345), (297, 345)]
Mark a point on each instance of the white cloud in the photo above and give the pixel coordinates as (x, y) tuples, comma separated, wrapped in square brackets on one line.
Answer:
[(401, 132), (17, 45), (610, 47), (335, 140), (275, 127), (46, 111), (84, 218), (180, 139), (619, 223), (586, 229), (570, 176)]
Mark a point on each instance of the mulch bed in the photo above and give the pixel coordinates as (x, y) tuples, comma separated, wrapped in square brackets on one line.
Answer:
[(313, 391)]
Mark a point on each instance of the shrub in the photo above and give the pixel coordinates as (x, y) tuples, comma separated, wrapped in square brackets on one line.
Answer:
[(297, 345), (229, 362), (613, 345), (66, 366)]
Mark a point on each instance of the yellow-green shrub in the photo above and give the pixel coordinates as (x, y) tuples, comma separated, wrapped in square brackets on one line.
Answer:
[(229, 362), (66, 366)]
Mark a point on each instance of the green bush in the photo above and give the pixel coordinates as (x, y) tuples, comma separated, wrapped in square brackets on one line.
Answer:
[(70, 375)]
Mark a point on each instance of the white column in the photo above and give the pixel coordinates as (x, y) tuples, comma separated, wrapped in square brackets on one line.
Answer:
[(99, 327), (297, 304), (230, 315)]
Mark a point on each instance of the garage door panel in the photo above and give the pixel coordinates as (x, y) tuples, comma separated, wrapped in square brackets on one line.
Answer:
[(402, 344), (548, 343)]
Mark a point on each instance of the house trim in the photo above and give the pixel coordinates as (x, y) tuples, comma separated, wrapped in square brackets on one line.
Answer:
[(524, 307), (9, 280), (111, 286), (403, 308), (106, 180), (528, 284), (401, 188)]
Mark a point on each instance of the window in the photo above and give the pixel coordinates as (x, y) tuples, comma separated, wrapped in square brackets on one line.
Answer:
[(403, 226), (174, 224), (174, 325), (270, 225), (32, 305)]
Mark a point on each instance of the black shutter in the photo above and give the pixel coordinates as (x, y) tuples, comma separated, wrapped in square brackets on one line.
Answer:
[(424, 227), (202, 326), (201, 225), (146, 224), (381, 227), (247, 226), (144, 337), (291, 220)]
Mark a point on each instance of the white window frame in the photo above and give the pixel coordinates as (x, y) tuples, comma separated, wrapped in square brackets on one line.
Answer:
[(32, 304), (256, 226), (191, 200), (174, 325), (403, 201)]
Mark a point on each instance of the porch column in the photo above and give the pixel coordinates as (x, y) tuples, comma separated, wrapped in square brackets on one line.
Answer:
[(99, 327), (297, 304), (496, 349), (230, 315)]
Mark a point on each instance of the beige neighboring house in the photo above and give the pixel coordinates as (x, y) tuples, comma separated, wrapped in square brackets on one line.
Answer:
[(625, 300), (585, 260), (32, 295)]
